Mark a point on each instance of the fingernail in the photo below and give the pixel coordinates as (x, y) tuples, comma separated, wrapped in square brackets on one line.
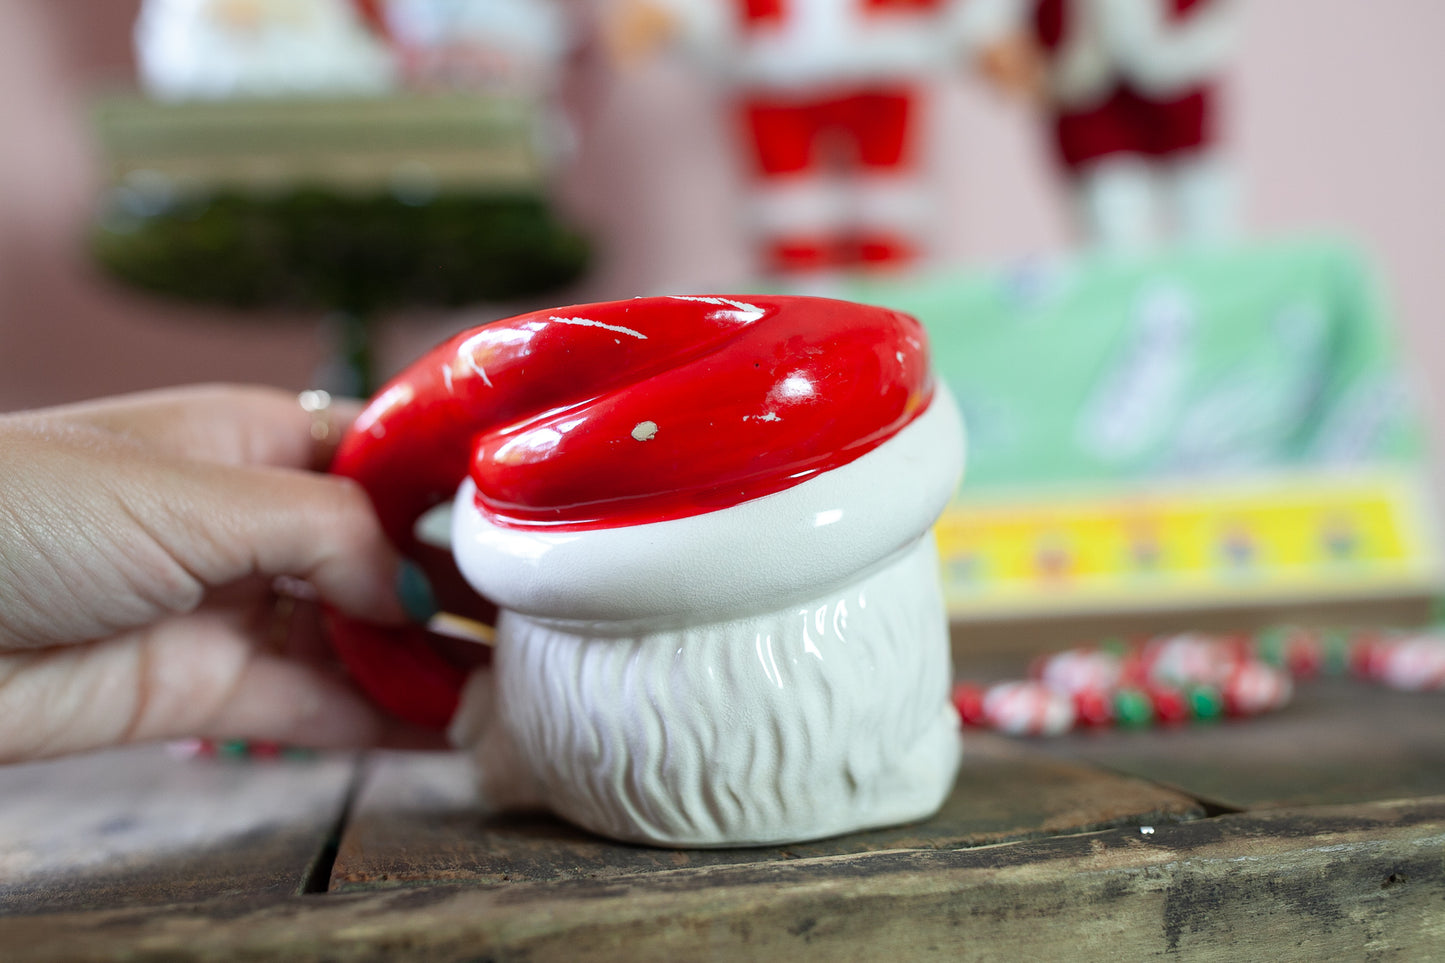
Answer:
[(414, 590)]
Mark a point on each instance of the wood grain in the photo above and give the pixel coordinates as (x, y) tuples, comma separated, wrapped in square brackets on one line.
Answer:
[(137, 826), (415, 821), (1348, 882), (1047, 849)]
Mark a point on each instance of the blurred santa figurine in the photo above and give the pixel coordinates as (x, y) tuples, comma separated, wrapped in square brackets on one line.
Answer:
[(1131, 87), (829, 98), (499, 46), (224, 49)]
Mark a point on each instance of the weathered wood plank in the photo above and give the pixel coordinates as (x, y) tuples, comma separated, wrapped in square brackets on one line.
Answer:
[(137, 826), (415, 822), (1340, 741), (1342, 883)]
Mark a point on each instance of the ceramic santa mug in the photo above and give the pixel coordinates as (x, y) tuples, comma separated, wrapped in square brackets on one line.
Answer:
[(706, 524)]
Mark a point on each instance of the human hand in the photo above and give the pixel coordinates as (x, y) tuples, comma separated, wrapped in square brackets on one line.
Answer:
[(140, 542)]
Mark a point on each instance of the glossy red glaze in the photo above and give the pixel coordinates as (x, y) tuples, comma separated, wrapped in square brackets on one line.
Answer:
[(398, 669), (551, 412), (628, 412)]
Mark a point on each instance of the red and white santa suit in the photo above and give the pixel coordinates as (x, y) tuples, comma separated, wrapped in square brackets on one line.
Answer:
[(829, 97), (1133, 86)]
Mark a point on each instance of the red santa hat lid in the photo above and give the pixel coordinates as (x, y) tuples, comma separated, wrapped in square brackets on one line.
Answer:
[(626, 412), (749, 396)]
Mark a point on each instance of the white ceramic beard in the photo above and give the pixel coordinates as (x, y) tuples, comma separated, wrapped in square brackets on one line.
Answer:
[(774, 672)]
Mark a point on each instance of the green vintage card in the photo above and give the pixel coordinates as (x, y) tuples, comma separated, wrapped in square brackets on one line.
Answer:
[(1195, 428)]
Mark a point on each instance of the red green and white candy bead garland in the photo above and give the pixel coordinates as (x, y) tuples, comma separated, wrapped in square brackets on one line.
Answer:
[(1174, 679)]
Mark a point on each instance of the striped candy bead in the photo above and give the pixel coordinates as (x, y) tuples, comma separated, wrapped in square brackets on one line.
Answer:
[(1028, 709), (191, 748), (1190, 658), (1080, 670), (1254, 687), (1414, 663)]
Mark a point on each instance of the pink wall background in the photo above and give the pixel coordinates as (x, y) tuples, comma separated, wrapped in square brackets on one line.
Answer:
[(1336, 123)]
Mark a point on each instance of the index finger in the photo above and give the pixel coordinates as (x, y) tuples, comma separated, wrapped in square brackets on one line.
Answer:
[(227, 524), (226, 424)]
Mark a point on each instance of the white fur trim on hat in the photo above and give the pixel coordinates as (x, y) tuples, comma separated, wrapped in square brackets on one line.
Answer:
[(750, 558)]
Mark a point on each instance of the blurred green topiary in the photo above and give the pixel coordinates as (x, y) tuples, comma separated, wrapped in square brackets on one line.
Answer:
[(313, 248), (359, 254)]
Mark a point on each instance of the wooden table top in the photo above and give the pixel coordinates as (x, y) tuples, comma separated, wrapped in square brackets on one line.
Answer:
[(1317, 831)]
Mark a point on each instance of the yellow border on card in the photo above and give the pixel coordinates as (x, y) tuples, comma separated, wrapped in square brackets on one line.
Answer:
[(1295, 536)]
